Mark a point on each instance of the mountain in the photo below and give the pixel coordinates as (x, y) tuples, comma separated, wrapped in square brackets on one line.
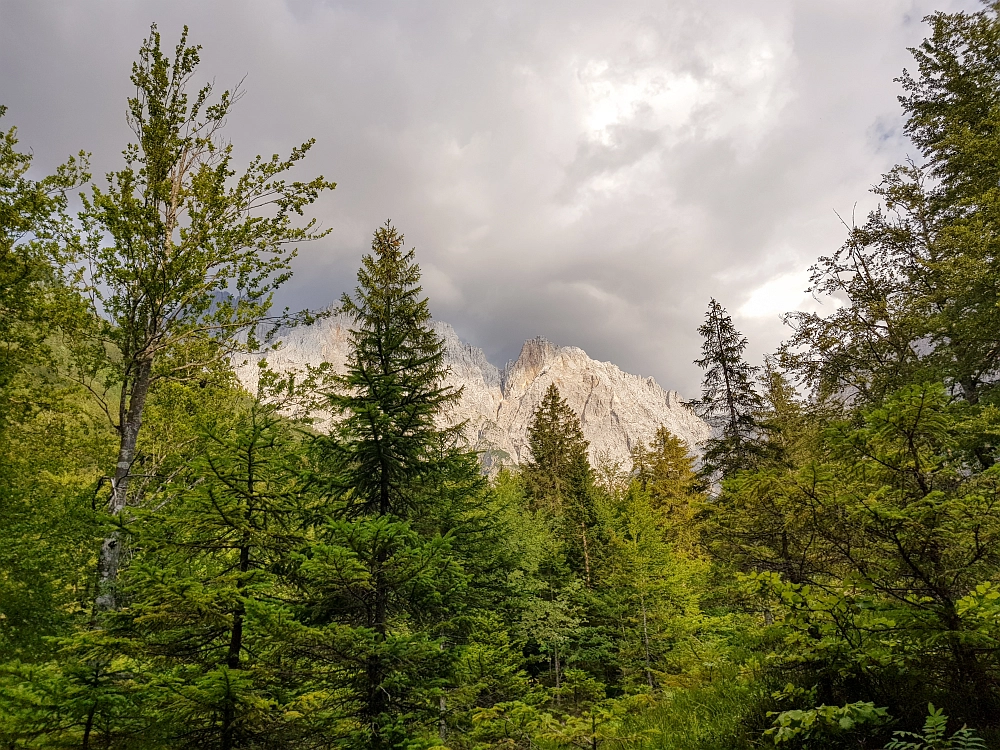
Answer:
[(617, 410)]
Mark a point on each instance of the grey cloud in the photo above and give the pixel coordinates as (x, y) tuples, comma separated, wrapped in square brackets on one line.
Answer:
[(591, 172)]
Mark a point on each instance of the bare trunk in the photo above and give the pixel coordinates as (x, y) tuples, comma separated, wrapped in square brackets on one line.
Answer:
[(442, 724), (107, 566), (235, 647), (586, 554), (556, 658), (89, 726), (377, 704), (645, 642), (442, 709)]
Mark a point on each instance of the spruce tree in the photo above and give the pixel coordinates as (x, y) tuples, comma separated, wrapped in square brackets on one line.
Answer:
[(729, 401), (383, 576), (559, 477), (650, 593), (202, 600), (664, 470), (558, 471)]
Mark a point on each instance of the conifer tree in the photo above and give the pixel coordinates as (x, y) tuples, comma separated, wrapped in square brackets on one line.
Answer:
[(664, 470), (558, 475), (384, 575), (729, 401), (203, 598), (649, 590)]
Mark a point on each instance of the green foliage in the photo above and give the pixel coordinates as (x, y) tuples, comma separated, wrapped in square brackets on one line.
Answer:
[(383, 573), (203, 598), (729, 402), (934, 736), (559, 478), (651, 593), (719, 715), (262, 586), (558, 473), (664, 470), (179, 256), (824, 722), (34, 300)]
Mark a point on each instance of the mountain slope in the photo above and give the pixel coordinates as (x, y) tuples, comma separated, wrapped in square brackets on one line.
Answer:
[(616, 409)]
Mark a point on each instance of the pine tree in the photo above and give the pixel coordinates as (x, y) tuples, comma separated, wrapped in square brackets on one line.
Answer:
[(559, 477), (729, 401), (384, 575)]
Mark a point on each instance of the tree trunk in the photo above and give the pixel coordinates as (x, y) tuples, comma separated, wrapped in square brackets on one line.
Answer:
[(377, 703), (442, 709), (556, 656), (586, 554), (235, 647), (110, 556), (645, 642), (88, 728)]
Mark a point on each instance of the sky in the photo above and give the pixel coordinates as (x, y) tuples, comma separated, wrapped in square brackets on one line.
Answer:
[(590, 172)]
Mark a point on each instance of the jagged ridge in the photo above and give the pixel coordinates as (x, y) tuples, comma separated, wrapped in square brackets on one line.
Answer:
[(616, 409)]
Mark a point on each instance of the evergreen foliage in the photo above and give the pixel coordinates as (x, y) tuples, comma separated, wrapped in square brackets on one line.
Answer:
[(203, 601), (383, 575), (729, 402), (559, 477), (558, 472)]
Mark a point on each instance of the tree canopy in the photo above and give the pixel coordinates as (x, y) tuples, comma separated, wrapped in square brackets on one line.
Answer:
[(823, 572)]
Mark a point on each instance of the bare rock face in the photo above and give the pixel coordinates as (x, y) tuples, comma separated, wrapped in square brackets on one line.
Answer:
[(617, 410)]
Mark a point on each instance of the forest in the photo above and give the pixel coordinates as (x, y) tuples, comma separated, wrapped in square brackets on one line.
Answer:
[(185, 563)]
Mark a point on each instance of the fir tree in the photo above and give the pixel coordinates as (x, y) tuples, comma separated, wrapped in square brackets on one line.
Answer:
[(384, 575), (729, 401)]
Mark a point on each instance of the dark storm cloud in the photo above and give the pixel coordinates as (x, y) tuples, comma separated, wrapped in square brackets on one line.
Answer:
[(591, 172)]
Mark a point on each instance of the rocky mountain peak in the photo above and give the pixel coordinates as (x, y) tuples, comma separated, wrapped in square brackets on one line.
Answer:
[(617, 410), (518, 375)]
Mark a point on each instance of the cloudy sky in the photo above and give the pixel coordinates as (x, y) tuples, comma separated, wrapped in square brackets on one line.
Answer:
[(592, 172)]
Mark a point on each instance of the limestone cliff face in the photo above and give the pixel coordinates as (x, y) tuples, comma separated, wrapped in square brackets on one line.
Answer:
[(617, 410)]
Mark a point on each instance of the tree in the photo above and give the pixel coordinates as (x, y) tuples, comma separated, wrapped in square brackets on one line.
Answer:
[(383, 576), (52, 447), (894, 541), (729, 401), (203, 600), (919, 276), (650, 589), (558, 476), (194, 257), (34, 298)]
